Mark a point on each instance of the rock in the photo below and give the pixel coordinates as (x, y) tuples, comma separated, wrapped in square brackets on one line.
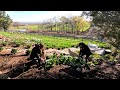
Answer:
[(8, 78), (107, 51), (92, 46), (9, 49), (100, 52), (118, 64), (79, 69), (95, 49), (0, 72)]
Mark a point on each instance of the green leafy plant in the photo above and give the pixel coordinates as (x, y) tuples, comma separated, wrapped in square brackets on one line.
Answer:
[(18, 44), (28, 52), (1, 48), (95, 62), (13, 51), (49, 41), (4, 43), (74, 63), (28, 46), (49, 64), (78, 64)]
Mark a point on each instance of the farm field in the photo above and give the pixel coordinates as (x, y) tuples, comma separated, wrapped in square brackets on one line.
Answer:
[(12, 65), (78, 45), (48, 41)]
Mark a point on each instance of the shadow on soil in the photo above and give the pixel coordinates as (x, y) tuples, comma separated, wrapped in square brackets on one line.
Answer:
[(17, 70)]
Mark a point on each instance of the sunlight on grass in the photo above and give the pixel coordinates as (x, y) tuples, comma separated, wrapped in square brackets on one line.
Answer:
[(49, 41)]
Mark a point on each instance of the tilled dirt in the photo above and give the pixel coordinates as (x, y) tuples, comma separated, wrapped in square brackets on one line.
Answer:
[(13, 67)]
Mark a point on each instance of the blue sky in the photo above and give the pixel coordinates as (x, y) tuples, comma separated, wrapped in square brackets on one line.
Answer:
[(39, 16)]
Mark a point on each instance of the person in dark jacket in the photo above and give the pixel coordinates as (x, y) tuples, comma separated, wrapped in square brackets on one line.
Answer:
[(38, 52), (35, 53), (84, 50)]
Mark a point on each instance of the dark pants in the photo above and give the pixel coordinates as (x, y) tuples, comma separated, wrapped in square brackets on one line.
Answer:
[(35, 60), (86, 58)]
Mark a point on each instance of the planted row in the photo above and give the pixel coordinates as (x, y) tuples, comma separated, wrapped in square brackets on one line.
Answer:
[(76, 63), (49, 41), (73, 62)]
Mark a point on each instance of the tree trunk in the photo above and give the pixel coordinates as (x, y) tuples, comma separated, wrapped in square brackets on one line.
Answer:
[(77, 32), (51, 28), (72, 29)]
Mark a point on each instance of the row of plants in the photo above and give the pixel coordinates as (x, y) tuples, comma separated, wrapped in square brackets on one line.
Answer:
[(73, 62), (48, 41), (1, 48), (16, 44), (14, 50), (107, 58), (78, 63)]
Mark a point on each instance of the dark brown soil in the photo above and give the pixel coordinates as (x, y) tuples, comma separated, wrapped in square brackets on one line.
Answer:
[(13, 67)]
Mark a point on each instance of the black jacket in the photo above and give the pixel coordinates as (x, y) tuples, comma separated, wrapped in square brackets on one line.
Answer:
[(85, 50)]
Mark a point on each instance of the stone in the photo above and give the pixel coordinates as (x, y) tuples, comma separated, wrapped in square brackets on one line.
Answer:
[(108, 51), (92, 46), (100, 52), (0, 72)]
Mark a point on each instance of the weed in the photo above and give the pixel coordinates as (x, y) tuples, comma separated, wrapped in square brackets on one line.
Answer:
[(14, 51)]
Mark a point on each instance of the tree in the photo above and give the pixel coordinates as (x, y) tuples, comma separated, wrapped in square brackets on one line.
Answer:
[(2, 15), (5, 20), (55, 19), (63, 19), (50, 23), (39, 28), (108, 24), (80, 24)]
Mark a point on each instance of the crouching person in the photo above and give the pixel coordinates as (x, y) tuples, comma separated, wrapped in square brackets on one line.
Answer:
[(37, 54), (84, 50)]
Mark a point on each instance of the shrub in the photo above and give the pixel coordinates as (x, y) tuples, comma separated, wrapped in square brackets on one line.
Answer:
[(47, 57), (18, 44), (28, 52), (1, 48), (63, 48), (66, 60), (4, 43), (28, 46), (48, 65), (13, 51), (73, 46)]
